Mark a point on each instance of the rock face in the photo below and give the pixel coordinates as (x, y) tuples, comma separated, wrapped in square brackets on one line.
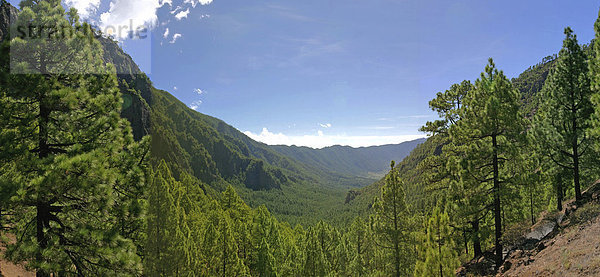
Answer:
[(8, 13)]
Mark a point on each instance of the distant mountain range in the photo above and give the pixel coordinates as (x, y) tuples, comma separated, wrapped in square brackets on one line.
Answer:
[(370, 162)]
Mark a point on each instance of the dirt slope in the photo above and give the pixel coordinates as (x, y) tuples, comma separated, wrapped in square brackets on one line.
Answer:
[(8, 269), (570, 248), (573, 251)]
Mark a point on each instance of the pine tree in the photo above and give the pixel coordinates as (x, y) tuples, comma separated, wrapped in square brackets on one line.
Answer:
[(63, 133), (447, 104), (391, 225), (440, 258), (221, 248), (159, 220), (441, 172), (266, 262), (562, 122), (240, 214), (361, 247), (293, 249), (264, 226), (489, 133), (315, 263), (594, 71)]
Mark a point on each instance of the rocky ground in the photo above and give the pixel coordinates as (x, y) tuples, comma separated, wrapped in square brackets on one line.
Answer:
[(575, 251), (559, 244)]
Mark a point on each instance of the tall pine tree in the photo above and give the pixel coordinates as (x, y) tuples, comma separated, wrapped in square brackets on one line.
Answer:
[(438, 248), (489, 133), (562, 121), (63, 133), (392, 225)]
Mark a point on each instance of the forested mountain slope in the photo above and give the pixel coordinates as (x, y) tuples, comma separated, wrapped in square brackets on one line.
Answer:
[(363, 161), (409, 172)]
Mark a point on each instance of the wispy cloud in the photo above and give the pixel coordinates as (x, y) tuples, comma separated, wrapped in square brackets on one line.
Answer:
[(378, 127), (325, 125), (320, 139), (195, 105), (289, 13), (196, 2), (84, 7), (175, 10), (309, 49), (198, 91), (404, 117), (175, 38), (182, 14)]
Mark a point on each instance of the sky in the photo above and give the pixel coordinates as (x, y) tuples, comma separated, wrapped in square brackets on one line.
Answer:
[(322, 72)]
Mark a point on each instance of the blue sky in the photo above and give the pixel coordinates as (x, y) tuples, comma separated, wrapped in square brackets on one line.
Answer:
[(319, 72)]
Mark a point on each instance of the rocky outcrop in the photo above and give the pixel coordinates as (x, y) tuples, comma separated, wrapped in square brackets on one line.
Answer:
[(8, 14)]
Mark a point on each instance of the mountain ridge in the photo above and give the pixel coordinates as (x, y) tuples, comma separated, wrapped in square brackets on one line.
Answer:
[(370, 162)]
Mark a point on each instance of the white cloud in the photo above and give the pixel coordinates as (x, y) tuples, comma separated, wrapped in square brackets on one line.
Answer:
[(321, 140), (198, 91), (196, 2), (175, 37), (126, 13), (326, 125), (84, 7), (194, 105), (166, 34), (182, 14), (175, 10), (125, 16)]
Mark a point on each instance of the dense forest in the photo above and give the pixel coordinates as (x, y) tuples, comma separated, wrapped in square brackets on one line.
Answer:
[(101, 174)]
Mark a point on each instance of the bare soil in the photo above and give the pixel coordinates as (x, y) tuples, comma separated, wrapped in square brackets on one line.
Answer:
[(8, 269)]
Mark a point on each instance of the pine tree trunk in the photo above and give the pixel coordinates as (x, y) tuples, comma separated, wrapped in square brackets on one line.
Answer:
[(41, 220), (440, 250), (476, 241), (396, 238), (224, 253), (559, 196), (497, 209), (576, 172), (41, 207), (531, 204), (466, 242), (575, 156)]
